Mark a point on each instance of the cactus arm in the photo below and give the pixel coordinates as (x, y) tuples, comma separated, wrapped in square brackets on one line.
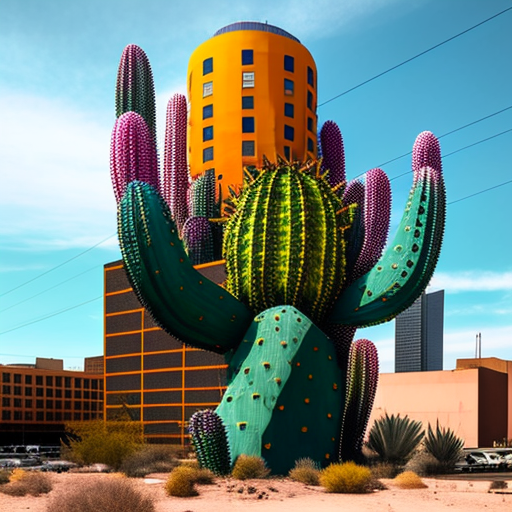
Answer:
[(132, 153), (333, 153), (262, 410), (198, 240), (182, 301), (134, 87)]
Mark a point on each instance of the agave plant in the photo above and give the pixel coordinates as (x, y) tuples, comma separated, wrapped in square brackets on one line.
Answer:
[(395, 438), (443, 445)]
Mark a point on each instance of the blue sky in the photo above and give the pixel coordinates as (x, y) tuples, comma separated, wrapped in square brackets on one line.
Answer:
[(58, 64)]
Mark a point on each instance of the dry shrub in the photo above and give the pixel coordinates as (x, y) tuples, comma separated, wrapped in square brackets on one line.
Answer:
[(249, 466), (150, 459), (346, 478), (33, 483), (425, 464), (181, 482), (5, 475), (305, 471), (409, 480), (497, 485), (385, 470), (204, 476), (105, 495), (17, 474)]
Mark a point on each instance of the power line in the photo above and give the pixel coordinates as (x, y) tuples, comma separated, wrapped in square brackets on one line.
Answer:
[(480, 192), (58, 266), (50, 315), (413, 58)]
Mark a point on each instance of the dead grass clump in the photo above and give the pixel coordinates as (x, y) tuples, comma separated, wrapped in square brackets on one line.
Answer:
[(249, 466), (150, 459), (5, 475), (17, 474), (497, 485), (385, 470), (107, 495), (425, 464), (33, 483), (409, 480), (181, 482), (346, 478), (305, 471), (204, 476)]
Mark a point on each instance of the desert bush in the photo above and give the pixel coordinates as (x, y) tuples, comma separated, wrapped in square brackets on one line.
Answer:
[(424, 464), (204, 476), (181, 482), (105, 495), (30, 482), (444, 446), (384, 470), (4, 476), (151, 458), (105, 442), (497, 485), (17, 474), (395, 438), (346, 478), (306, 471), (409, 480), (249, 466)]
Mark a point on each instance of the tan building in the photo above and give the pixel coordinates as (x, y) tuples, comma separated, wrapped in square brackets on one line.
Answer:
[(37, 400), (474, 400)]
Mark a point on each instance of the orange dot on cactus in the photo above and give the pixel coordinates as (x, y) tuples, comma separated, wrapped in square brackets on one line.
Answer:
[(304, 429), (267, 446)]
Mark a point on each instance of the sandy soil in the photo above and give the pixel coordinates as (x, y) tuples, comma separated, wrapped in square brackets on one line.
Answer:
[(283, 495)]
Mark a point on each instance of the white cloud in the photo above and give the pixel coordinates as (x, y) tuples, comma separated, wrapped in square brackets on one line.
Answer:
[(496, 341), (472, 281)]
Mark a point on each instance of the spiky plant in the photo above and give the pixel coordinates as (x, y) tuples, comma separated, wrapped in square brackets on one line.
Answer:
[(198, 240), (444, 445), (362, 377), (395, 438)]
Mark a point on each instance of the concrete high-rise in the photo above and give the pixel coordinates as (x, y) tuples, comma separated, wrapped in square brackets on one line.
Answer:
[(419, 335)]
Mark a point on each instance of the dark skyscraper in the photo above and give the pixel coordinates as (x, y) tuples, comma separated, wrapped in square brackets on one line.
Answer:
[(419, 335)]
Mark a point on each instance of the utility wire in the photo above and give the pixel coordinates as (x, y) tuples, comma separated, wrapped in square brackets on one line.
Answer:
[(51, 315), (413, 58), (480, 192), (58, 266)]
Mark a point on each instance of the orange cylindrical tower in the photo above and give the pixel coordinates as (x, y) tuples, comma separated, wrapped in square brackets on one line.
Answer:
[(252, 93)]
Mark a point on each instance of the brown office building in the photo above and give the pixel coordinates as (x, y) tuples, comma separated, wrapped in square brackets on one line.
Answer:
[(149, 374), (37, 400)]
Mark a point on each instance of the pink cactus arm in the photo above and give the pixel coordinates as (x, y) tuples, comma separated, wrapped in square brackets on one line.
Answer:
[(333, 153)]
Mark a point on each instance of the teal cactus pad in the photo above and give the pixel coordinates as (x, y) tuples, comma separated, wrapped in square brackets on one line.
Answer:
[(286, 397), (184, 303)]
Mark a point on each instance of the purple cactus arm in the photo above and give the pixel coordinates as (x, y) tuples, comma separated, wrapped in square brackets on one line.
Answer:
[(377, 211), (362, 378), (176, 178), (198, 240), (132, 153), (426, 152), (342, 337), (333, 153), (135, 91)]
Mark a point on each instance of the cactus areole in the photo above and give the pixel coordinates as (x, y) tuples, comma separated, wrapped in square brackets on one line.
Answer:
[(285, 242)]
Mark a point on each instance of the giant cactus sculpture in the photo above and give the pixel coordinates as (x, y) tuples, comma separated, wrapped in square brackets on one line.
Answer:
[(305, 268)]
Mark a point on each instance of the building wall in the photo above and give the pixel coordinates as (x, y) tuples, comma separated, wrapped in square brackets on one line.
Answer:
[(224, 80), (150, 374)]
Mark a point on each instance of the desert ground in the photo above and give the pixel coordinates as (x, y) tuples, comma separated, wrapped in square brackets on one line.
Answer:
[(283, 495)]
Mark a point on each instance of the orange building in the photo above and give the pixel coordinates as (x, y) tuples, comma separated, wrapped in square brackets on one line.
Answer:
[(252, 93), (474, 400)]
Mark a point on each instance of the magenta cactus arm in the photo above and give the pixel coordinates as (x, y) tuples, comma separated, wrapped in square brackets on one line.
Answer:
[(426, 152), (198, 240), (342, 337), (333, 153), (132, 153), (362, 378), (176, 177), (134, 88), (377, 212)]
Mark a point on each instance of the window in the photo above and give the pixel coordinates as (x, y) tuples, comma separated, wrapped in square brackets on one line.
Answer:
[(87, 383), (78, 394), (247, 80), (78, 382), (67, 393), (67, 382), (58, 416), (28, 391), (49, 404), (6, 402), (288, 87), (6, 415), (39, 416), (288, 109), (287, 152), (94, 406), (28, 415), (310, 124), (77, 416), (87, 395), (39, 380), (289, 132), (247, 57), (311, 145), (18, 415), (207, 89), (17, 378), (17, 390), (67, 416), (289, 63), (49, 392), (49, 416), (94, 395), (207, 111), (311, 77), (58, 404), (247, 102), (86, 406), (6, 390), (58, 381), (207, 133), (248, 148), (17, 402), (6, 377), (28, 404), (39, 404), (58, 393), (67, 405), (49, 380), (39, 391), (78, 406), (94, 384), (207, 65), (28, 379), (208, 154), (310, 100), (247, 124)]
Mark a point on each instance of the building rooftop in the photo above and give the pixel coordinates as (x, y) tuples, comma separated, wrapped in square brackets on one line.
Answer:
[(254, 25)]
